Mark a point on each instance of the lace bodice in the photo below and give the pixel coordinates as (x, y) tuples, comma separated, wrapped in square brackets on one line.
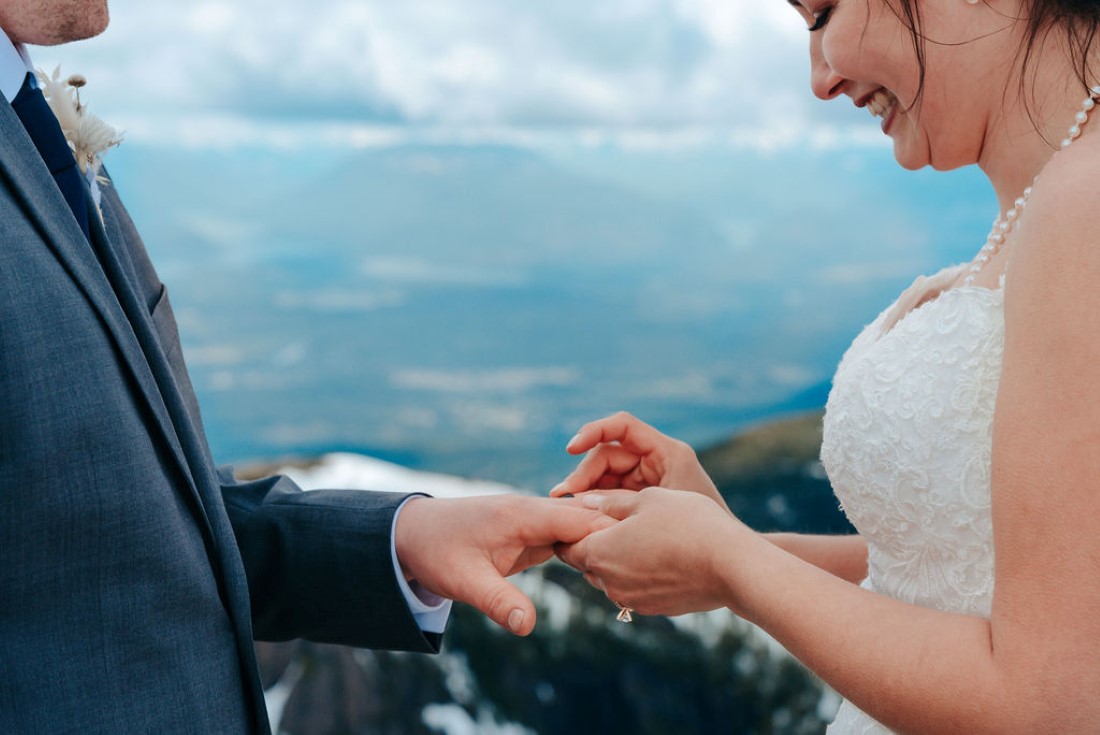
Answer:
[(907, 443)]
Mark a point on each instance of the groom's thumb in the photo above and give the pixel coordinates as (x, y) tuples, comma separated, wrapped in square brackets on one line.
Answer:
[(503, 603)]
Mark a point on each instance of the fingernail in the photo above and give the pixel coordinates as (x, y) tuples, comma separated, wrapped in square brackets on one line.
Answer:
[(591, 500), (556, 488), (515, 620), (574, 440)]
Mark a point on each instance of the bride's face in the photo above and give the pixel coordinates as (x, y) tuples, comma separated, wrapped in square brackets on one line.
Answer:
[(865, 50)]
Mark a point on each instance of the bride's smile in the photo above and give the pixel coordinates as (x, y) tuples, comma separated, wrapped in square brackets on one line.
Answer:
[(934, 115), (882, 104)]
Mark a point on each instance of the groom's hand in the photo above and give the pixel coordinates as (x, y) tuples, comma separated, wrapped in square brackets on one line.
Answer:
[(463, 548)]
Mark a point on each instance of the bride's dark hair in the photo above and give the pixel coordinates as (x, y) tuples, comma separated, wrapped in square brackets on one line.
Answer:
[(1077, 20)]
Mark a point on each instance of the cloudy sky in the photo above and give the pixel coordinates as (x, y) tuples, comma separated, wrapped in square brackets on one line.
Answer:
[(357, 71)]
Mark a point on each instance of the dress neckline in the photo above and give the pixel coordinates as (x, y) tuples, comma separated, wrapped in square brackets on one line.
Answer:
[(885, 331)]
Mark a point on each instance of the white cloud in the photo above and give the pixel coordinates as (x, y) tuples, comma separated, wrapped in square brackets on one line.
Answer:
[(732, 22), (212, 18), (419, 271), (215, 355), (221, 71), (339, 300), (222, 231), (502, 380), (793, 376), (857, 274)]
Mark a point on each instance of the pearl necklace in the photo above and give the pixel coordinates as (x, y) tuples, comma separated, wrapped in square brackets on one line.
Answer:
[(1002, 226)]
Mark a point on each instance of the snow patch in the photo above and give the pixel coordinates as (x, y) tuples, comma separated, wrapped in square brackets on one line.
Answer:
[(450, 719), (357, 471)]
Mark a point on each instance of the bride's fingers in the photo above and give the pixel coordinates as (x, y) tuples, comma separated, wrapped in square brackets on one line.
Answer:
[(606, 460), (602, 431), (632, 433)]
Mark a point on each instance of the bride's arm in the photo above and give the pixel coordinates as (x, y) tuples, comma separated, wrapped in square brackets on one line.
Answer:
[(844, 556), (1032, 667), (914, 669)]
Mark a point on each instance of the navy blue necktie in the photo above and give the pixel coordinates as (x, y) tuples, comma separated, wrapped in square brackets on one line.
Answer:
[(42, 126)]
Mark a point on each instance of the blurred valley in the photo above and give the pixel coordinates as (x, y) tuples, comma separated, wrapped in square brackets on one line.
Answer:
[(463, 308)]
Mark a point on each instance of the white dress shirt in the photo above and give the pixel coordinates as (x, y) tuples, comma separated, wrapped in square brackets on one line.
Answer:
[(14, 65)]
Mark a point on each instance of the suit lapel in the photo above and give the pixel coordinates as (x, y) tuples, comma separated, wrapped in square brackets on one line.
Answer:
[(184, 436), (43, 203), (126, 318), (187, 440)]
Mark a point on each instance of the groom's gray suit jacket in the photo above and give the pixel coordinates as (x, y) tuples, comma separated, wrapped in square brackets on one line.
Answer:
[(134, 575)]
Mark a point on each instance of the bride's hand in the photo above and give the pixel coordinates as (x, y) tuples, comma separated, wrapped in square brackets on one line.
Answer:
[(664, 556), (625, 452)]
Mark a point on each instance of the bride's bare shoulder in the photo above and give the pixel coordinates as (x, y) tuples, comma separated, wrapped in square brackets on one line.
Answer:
[(1066, 195), (1057, 234), (1053, 275)]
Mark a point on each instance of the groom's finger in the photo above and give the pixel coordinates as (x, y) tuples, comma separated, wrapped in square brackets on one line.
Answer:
[(575, 555), (619, 504), (531, 557), (500, 600), (547, 522)]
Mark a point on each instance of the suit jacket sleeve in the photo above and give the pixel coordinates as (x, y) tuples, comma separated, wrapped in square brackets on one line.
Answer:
[(318, 564)]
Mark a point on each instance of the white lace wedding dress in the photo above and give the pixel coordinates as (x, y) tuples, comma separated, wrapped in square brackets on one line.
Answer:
[(908, 434)]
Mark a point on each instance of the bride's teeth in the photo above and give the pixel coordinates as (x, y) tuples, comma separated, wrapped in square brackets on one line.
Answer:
[(880, 102)]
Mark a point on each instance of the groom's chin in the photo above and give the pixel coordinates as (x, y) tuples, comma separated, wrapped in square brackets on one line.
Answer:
[(88, 24), (56, 22)]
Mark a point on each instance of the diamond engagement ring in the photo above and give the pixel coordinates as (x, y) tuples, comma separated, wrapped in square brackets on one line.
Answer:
[(624, 615)]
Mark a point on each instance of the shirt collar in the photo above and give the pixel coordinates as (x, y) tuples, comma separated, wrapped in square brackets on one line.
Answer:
[(14, 65)]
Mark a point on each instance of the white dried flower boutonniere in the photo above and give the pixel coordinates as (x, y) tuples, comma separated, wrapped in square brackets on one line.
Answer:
[(87, 135)]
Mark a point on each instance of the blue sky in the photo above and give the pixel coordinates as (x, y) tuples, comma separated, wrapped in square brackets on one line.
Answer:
[(373, 72)]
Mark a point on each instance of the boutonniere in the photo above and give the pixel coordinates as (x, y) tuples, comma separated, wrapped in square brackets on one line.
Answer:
[(87, 135)]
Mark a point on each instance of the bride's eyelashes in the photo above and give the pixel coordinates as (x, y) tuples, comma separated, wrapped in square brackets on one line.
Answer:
[(821, 18), (815, 20)]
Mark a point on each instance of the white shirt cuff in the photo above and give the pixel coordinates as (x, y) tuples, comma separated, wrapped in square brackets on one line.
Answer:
[(430, 611)]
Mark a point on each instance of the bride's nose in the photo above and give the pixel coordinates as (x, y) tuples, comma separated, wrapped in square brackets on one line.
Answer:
[(825, 83)]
